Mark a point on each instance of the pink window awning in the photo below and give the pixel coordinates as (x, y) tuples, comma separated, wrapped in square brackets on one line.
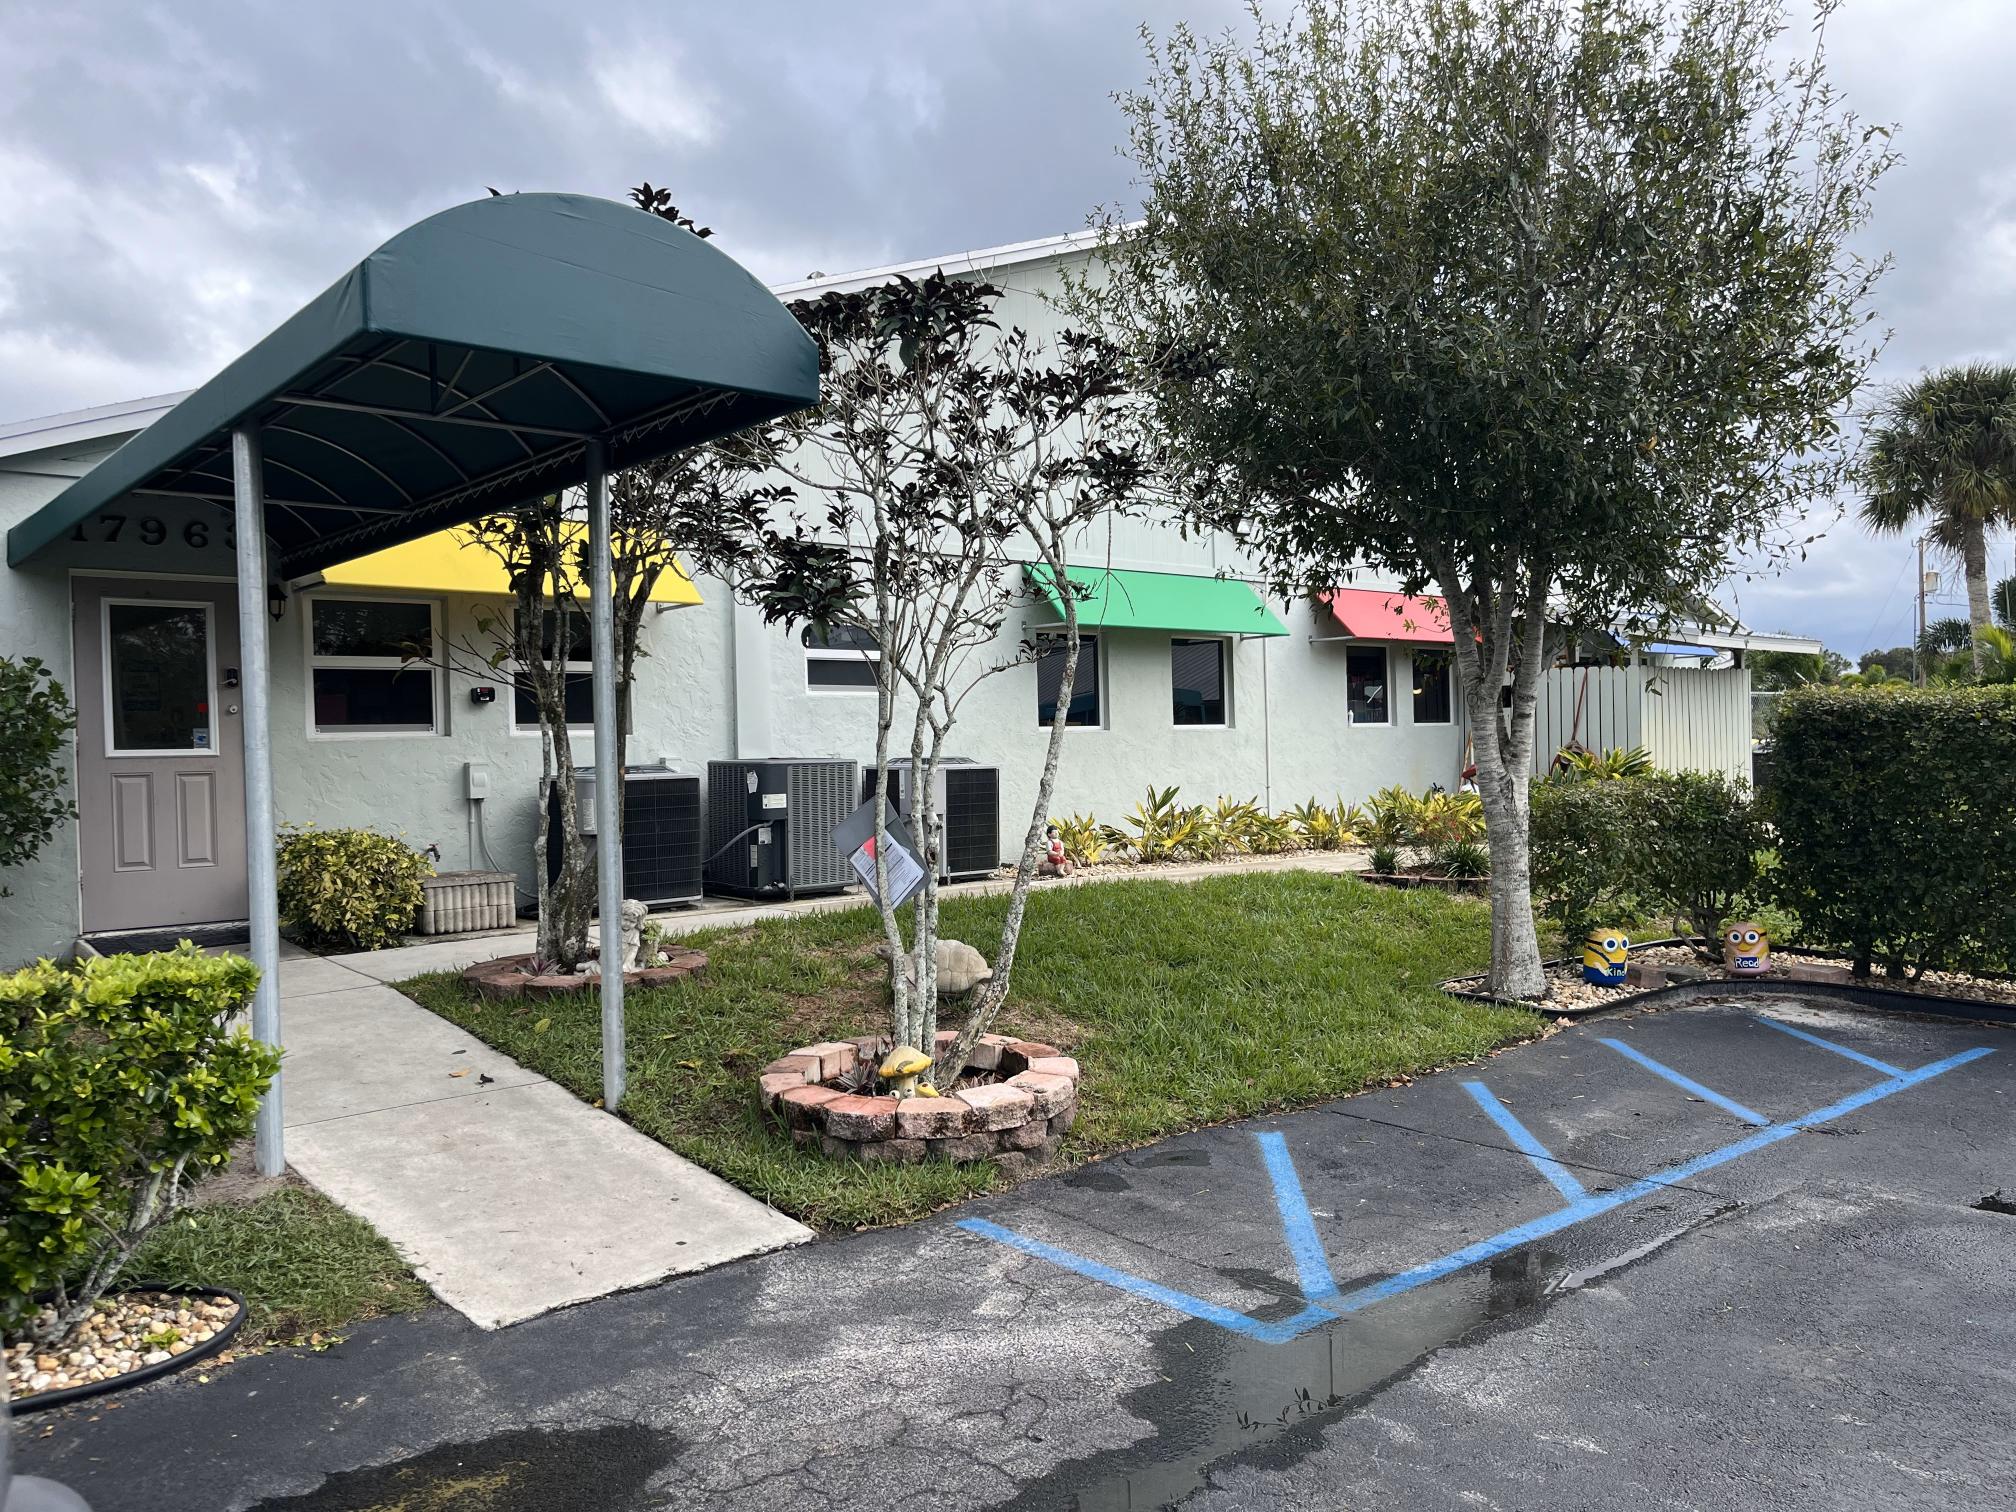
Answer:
[(1373, 614)]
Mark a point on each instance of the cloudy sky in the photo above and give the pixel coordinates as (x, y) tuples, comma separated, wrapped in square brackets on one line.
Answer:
[(179, 178)]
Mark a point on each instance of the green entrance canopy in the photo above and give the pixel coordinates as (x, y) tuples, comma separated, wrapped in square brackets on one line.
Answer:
[(462, 368), (1109, 599)]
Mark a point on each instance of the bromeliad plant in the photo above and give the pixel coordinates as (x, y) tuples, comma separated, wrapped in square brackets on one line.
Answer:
[(120, 1083)]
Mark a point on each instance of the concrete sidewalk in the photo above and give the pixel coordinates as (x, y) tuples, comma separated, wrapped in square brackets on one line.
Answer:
[(508, 1195)]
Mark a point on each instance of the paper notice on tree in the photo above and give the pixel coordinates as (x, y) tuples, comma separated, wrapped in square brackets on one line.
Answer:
[(906, 873)]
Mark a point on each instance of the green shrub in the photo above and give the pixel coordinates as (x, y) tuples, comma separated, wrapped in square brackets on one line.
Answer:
[(118, 1082), (1459, 858), (1390, 817), (1159, 829), (1892, 806), (1584, 841), (352, 889), (1614, 765), (35, 720), (1084, 839), (1383, 860), (1698, 842)]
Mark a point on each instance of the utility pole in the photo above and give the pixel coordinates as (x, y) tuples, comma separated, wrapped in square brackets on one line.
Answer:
[(1918, 639)]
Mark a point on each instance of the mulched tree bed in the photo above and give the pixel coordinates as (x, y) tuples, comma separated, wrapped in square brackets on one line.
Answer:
[(1661, 966), (512, 977), (1013, 1103), (131, 1337)]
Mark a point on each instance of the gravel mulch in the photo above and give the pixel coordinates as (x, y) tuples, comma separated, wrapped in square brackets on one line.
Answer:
[(124, 1333)]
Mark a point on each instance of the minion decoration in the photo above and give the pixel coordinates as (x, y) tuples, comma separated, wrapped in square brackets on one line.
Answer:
[(1604, 956), (1746, 949)]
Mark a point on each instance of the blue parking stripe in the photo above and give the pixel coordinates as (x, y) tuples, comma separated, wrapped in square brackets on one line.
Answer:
[(1276, 1332), (1687, 1083), (1522, 1138), (1580, 1207), (1312, 1266), (1813, 1039)]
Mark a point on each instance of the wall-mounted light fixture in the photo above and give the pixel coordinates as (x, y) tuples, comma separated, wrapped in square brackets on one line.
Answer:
[(276, 600)]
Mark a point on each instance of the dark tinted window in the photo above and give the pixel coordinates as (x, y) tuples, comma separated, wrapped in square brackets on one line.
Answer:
[(1084, 684), (1365, 669), (1197, 680), (367, 699), (580, 702), (1431, 687), (842, 657), (354, 627)]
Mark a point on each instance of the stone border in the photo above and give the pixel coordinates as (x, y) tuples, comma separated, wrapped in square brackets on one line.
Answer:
[(1016, 1121), (63, 1396), (505, 977), (1818, 973)]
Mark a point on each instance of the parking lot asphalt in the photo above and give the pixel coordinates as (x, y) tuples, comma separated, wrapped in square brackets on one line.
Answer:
[(1732, 1255)]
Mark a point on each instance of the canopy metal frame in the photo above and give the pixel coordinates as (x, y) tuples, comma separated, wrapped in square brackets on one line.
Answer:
[(498, 352)]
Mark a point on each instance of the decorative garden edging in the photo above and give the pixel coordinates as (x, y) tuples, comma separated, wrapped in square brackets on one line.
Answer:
[(1418, 879), (1016, 1119), (507, 977), (1813, 973), (63, 1396)]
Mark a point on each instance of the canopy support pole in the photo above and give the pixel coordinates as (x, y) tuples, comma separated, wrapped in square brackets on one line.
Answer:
[(608, 780), (255, 686)]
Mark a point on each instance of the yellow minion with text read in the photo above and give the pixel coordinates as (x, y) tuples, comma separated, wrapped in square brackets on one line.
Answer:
[(1746, 949)]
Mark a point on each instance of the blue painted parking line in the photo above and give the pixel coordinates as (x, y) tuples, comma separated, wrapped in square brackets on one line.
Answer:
[(1813, 1039), (1523, 1140), (1312, 1266), (1687, 1083), (1314, 1269)]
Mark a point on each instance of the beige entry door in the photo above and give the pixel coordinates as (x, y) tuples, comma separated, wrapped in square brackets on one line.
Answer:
[(160, 766)]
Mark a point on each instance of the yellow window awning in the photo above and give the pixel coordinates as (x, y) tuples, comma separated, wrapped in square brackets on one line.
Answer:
[(449, 562)]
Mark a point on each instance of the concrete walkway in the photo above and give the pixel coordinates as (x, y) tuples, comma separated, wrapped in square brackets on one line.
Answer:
[(508, 1195)]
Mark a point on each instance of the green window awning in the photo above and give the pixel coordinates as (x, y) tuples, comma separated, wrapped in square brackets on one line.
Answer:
[(1176, 602)]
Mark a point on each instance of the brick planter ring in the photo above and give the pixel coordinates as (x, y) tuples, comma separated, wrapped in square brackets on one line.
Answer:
[(1015, 1120)]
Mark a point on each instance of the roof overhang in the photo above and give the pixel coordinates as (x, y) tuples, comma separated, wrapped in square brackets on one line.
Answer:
[(463, 368), (1179, 603), (1739, 640)]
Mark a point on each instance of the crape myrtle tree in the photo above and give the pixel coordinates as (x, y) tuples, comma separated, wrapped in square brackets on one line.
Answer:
[(1548, 309), (946, 454)]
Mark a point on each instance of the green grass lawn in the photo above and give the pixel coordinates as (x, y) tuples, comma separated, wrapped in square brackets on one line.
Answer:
[(1185, 1003), (302, 1264)]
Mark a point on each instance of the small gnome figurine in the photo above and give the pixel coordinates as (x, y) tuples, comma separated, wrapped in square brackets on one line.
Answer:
[(1055, 862), (1746, 949)]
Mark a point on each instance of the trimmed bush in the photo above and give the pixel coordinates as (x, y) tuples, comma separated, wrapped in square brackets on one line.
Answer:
[(1895, 838), (35, 724), (1698, 846), (119, 1083), (1584, 854), (349, 889)]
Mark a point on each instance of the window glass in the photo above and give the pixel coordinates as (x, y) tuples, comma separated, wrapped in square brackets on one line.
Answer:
[(354, 627), (580, 702), (371, 700), (369, 670), (1084, 684), (844, 656), (158, 676), (1197, 680), (580, 636), (1431, 687), (1365, 672)]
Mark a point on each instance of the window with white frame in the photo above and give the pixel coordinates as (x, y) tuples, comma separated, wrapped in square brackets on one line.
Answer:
[(1085, 706), (580, 672), (1197, 682), (840, 659), (1367, 693), (1432, 702), (371, 667)]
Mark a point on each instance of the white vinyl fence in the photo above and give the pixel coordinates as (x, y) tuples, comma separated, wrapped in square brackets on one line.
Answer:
[(1688, 718)]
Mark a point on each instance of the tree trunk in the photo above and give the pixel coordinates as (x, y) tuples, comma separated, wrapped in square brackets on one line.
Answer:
[(1974, 561)]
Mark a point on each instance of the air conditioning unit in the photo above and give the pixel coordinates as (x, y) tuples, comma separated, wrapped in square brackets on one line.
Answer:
[(968, 810), (770, 825), (661, 831)]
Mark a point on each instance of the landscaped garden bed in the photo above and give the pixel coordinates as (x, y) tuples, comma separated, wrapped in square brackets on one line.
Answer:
[(1182, 1003)]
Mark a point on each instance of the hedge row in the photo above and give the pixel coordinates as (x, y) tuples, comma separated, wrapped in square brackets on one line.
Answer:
[(1895, 829)]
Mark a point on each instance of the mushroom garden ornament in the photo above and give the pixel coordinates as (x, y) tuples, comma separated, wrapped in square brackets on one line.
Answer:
[(901, 1067)]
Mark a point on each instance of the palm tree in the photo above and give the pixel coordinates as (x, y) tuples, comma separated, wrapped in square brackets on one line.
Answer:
[(1944, 447)]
